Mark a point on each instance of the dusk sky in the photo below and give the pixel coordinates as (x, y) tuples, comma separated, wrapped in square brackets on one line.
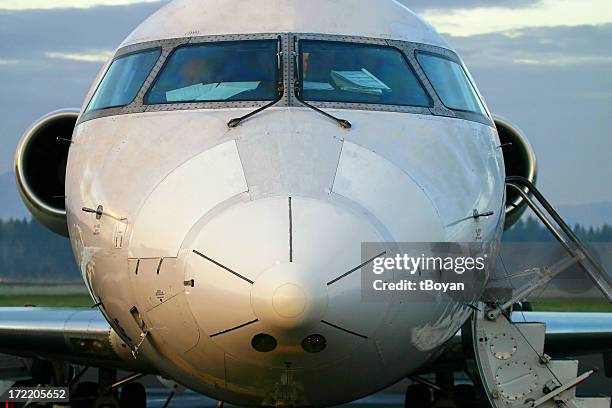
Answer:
[(546, 65)]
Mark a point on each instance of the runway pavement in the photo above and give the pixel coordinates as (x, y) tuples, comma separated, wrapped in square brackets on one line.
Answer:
[(392, 397), (157, 397)]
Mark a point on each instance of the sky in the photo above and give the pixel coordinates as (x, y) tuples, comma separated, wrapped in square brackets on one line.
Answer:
[(544, 64)]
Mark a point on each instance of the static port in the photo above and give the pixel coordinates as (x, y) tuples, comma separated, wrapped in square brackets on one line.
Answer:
[(315, 343), (263, 343)]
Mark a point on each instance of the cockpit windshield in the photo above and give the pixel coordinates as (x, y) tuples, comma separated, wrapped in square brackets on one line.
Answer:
[(340, 72), (217, 72), (450, 83), (358, 73), (123, 80)]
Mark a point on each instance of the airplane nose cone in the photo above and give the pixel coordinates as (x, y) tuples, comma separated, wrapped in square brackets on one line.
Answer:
[(289, 301), (280, 266), (278, 280), (289, 296)]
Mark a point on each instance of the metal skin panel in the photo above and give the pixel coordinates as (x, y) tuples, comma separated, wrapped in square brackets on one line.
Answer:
[(259, 228), (388, 194), (156, 281), (282, 156), (105, 272), (169, 319), (185, 18), (176, 204), (456, 163)]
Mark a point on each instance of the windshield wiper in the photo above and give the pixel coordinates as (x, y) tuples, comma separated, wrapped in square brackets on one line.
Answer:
[(297, 91), (280, 89)]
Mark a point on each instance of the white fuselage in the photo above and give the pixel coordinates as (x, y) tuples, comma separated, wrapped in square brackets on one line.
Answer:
[(213, 235)]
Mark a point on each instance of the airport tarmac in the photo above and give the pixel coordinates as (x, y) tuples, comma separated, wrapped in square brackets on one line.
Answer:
[(157, 398), (392, 397)]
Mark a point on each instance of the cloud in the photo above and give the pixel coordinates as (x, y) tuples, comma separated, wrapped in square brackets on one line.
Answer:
[(549, 47), (55, 4), (90, 56), (563, 60), (420, 5), (553, 82), (464, 21), (9, 61), (29, 34)]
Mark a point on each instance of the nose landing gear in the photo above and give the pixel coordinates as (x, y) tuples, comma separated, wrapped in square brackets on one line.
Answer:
[(104, 394)]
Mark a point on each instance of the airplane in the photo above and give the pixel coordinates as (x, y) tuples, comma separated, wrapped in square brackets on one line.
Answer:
[(217, 185)]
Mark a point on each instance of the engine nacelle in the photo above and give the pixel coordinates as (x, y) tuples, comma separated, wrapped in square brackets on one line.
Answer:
[(40, 167), (519, 160)]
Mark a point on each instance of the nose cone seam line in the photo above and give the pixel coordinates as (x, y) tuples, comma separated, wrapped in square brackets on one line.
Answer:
[(344, 275), (240, 326), (343, 329), (290, 231), (223, 267)]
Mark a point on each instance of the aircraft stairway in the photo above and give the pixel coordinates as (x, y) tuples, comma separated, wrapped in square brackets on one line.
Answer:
[(570, 242), (507, 359)]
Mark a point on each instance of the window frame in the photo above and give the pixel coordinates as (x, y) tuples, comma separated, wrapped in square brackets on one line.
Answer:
[(118, 57), (300, 73), (288, 44), (201, 44), (467, 77)]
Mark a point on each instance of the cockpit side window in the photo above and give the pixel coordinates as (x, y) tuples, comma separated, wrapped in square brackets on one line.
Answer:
[(123, 80), (218, 72), (358, 73), (451, 83)]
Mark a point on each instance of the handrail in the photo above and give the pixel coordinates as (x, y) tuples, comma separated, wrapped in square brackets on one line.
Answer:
[(601, 279)]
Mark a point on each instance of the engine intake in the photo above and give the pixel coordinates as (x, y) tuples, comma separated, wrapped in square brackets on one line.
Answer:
[(519, 160), (40, 167)]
